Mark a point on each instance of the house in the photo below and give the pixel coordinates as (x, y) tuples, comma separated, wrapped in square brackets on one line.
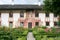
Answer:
[(27, 16)]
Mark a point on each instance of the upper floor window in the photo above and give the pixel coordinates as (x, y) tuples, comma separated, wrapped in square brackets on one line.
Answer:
[(36, 14), (47, 23), (21, 14), (0, 14), (47, 14), (10, 14), (55, 15), (55, 24), (36, 23), (21, 24)]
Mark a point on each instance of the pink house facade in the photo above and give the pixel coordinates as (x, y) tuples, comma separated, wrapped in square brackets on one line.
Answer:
[(27, 16), (30, 20)]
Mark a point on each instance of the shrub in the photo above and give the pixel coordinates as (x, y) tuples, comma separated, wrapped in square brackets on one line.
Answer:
[(51, 38), (22, 38), (38, 37), (25, 33), (12, 33), (44, 27)]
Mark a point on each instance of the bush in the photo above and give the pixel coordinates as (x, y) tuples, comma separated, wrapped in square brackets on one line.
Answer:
[(38, 37), (51, 38), (12, 33), (22, 38), (44, 33), (44, 27), (25, 33)]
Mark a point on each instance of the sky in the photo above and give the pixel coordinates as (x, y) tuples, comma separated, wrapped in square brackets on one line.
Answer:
[(20, 2)]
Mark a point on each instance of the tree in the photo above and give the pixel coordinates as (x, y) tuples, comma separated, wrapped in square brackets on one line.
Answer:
[(52, 6)]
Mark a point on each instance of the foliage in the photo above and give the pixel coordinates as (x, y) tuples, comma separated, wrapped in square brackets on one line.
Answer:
[(22, 38), (40, 33), (13, 33), (58, 23), (52, 6)]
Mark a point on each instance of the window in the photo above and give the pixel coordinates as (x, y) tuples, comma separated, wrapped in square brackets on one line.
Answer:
[(0, 14), (10, 24), (21, 14), (10, 14), (36, 14), (0, 23), (36, 23), (21, 24), (55, 15), (47, 23), (47, 14), (55, 23)]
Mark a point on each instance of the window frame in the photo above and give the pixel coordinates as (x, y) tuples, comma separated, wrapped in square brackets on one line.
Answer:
[(36, 23), (0, 14), (0, 23), (22, 14), (47, 23), (21, 24), (55, 24), (10, 23), (47, 14), (10, 14), (36, 14)]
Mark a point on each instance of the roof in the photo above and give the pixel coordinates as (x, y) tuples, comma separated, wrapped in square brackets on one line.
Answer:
[(18, 7)]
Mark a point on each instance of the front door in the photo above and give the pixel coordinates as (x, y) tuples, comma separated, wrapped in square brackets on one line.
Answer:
[(29, 25)]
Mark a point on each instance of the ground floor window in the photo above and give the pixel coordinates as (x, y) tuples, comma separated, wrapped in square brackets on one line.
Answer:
[(55, 24), (0, 23), (21, 24), (10, 24), (36, 23), (47, 23)]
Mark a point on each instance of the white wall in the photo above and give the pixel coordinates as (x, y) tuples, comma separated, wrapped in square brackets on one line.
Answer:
[(51, 20), (16, 16), (4, 19), (42, 18)]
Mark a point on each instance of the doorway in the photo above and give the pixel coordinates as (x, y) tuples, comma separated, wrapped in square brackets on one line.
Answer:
[(30, 25)]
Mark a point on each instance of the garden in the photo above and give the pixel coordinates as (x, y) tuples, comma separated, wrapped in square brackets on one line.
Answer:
[(13, 33), (20, 33), (44, 33)]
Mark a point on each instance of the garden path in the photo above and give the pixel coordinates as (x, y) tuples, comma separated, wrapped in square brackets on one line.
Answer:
[(30, 36)]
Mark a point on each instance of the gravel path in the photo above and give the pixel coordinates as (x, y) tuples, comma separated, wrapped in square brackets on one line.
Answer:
[(30, 36)]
